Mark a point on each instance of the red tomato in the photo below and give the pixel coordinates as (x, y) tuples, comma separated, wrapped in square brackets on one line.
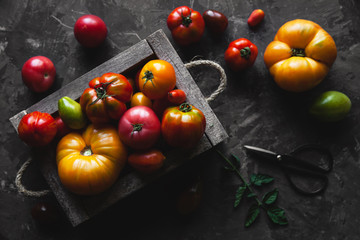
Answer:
[(37, 129), (177, 96), (139, 127), (105, 99), (148, 161), (38, 73), (159, 106), (62, 129), (241, 54), (186, 25), (255, 17), (183, 126), (90, 31)]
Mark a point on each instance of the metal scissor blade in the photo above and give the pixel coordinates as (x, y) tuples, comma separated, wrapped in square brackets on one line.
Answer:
[(261, 152)]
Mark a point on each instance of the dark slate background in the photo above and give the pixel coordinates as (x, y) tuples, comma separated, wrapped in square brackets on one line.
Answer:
[(252, 109)]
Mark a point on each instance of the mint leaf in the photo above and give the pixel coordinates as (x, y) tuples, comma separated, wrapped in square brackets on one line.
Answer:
[(238, 196), (252, 214), (270, 197), (277, 215), (259, 179)]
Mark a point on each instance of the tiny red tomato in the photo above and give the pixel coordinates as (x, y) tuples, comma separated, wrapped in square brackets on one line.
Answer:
[(241, 54), (186, 25), (62, 129), (255, 17), (147, 161), (90, 31), (37, 129), (38, 73), (139, 128), (177, 96), (215, 21)]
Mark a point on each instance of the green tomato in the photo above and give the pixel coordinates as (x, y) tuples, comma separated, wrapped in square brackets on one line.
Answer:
[(331, 106), (71, 114)]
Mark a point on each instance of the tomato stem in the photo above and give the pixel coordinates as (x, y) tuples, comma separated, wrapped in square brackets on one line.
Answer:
[(101, 91), (86, 151), (297, 52), (185, 107), (186, 21), (149, 76), (136, 127), (245, 52)]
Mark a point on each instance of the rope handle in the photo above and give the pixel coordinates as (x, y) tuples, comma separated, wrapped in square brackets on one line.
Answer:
[(223, 82)]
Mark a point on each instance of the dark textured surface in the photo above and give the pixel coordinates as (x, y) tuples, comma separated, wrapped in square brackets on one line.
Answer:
[(252, 109)]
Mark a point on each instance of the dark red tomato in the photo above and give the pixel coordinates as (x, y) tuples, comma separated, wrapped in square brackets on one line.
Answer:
[(62, 129), (159, 106), (177, 96), (139, 128), (90, 31), (105, 99), (37, 129), (215, 21), (147, 161), (183, 126), (241, 54), (186, 25)]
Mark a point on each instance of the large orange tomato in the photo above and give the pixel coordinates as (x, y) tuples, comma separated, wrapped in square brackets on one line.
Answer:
[(89, 163), (157, 78), (300, 56)]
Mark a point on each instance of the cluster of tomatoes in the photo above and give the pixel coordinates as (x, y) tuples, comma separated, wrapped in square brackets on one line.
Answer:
[(112, 125)]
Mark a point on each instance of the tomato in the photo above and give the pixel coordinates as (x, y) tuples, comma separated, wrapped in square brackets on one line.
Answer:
[(183, 126), (157, 78), (38, 73), (186, 25), (177, 96), (139, 99), (215, 21), (147, 161), (61, 127), (90, 31), (71, 113), (89, 163), (159, 106), (105, 99), (139, 127), (241, 54), (330, 106), (255, 17), (300, 56), (37, 129)]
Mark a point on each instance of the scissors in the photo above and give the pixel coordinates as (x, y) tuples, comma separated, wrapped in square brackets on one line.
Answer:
[(295, 167)]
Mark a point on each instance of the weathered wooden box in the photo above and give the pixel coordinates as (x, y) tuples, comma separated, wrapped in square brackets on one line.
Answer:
[(81, 208)]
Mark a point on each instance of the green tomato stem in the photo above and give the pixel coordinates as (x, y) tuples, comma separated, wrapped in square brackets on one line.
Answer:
[(86, 151)]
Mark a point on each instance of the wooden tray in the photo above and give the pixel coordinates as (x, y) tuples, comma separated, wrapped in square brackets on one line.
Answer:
[(81, 208)]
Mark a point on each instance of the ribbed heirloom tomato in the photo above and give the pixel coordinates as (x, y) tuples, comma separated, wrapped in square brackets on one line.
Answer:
[(300, 55), (241, 54), (156, 79), (89, 163), (105, 99), (183, 126)]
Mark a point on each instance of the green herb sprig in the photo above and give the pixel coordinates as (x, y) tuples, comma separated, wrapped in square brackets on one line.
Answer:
[(276, 214)]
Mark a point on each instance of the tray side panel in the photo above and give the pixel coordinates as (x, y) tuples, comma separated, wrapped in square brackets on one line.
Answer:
[(164, 50)]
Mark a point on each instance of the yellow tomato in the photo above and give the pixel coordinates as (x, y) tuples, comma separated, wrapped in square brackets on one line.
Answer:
[(300, 56), (89, 163), (139, 99)]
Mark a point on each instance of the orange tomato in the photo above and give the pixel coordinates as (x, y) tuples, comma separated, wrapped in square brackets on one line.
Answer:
[(300, 56), (89, 163), (139, 99), (156, 79)]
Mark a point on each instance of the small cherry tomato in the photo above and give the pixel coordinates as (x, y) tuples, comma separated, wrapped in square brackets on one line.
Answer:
[(215, 21), (38, 73), (186, 25), (90, 31), (255, 17), (241, 54), (139, 128), (147, 161), (37, 129), (157, 78), (177, 96), (139, 99)]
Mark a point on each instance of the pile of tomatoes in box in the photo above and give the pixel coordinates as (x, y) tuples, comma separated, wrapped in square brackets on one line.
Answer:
[(116, 120)]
